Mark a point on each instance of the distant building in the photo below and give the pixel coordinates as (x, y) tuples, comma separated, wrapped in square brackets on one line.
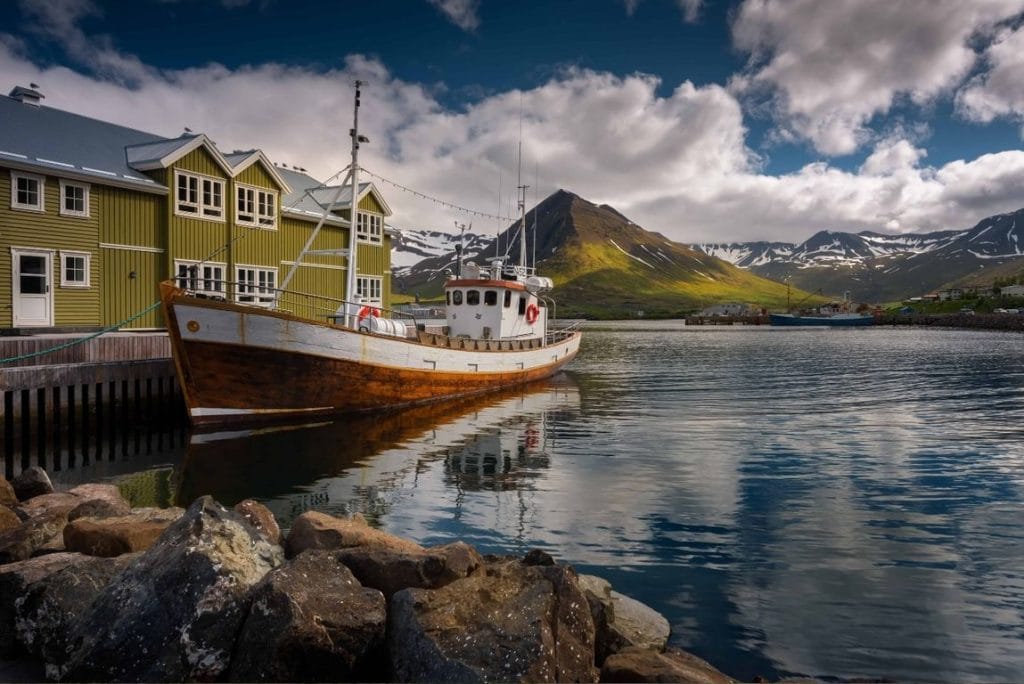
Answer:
[(728, 309), (1013, 290), (94, 215)]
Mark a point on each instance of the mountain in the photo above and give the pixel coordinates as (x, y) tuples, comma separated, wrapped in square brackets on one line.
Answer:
[(410, 247), (604, 265), (876, 267)]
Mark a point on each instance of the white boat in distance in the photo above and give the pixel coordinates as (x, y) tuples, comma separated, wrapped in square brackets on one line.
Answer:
[(241, 363)]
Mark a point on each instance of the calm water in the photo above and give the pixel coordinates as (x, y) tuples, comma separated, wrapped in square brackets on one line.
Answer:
[(831, 503)]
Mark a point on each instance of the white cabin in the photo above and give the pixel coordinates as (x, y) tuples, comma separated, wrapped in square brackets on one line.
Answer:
[(493, 303)]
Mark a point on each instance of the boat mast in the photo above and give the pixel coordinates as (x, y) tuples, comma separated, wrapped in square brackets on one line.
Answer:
[(351, 307), (522, 207)]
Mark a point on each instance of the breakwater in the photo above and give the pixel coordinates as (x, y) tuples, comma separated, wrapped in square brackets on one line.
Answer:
[(93, 590)]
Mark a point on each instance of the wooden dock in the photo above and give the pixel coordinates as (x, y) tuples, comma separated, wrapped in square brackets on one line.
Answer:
[(85, 399)]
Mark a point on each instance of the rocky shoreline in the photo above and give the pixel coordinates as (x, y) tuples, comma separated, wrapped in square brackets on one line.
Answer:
[(94, 590)]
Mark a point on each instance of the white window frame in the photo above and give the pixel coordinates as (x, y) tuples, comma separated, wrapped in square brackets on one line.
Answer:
[(207, 280), (41, 189), (87, 257), (261, 209), (370, 289), (253, 286), (370, 228), (200, 207), (64, 211)]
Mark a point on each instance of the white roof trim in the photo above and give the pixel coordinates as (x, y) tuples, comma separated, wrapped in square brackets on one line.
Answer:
[(195, 143), (370, 187), (314, 216), (86, 174)]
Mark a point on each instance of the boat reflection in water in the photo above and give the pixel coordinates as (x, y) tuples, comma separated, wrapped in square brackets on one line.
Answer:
[(411, 464)]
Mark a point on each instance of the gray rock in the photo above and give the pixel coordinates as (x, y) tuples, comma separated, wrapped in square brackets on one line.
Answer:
[(32, 482), (97, 508), (311, 621), (511, 622), (644, 665), (21, 542), (44, 503), (621, 621), (174, 614), (390, 571), (50, 607), (15, 579), (102, 492)]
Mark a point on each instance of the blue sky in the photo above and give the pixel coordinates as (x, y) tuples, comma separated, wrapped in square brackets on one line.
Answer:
[(705, 120)]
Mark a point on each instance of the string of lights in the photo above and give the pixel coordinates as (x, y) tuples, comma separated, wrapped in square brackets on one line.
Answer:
[(435, 200)]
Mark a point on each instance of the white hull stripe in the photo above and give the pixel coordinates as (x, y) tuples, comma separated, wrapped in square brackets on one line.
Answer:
[(201, 411)]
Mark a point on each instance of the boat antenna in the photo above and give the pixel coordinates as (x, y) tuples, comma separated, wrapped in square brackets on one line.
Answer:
[(535, 184), (497, 239), (522, 189), (350, 286), (459, 247)]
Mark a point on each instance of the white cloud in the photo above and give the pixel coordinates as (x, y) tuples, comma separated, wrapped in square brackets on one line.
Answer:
[(463, 13), (830, 67), (676, 163), (999, 92), (689, 8)]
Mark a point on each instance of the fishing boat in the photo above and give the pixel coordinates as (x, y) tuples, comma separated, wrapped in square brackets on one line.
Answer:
[(242, 363), (837, 319)]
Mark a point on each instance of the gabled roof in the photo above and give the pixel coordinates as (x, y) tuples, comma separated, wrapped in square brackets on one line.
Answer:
[(324, 196), (299, 204), (240, 161), (48, 140), (149, 157)]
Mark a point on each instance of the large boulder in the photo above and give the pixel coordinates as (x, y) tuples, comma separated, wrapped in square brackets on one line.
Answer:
[(260, 517), (8, 519), (15, 578), (49, 608), (23, 541), (31, 482), (644, 665), (7, 495), (97, 508), (511, 622), (316, 530), (174, 614), (621, 621), (311, 621), (115, 535), (390, 571)]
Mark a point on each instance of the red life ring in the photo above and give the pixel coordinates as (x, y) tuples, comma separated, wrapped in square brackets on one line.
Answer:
[(367, 311), (532, 312)]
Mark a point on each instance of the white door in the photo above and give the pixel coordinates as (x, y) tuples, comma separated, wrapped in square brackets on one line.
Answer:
[(33, 287)]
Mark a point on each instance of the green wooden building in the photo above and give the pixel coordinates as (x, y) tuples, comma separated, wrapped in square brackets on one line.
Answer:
[(94, 215)]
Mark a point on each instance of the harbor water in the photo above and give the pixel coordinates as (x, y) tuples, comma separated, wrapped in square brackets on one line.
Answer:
[(835, 503)]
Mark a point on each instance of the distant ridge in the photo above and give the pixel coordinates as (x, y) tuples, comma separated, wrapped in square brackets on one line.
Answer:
[(877, 267)]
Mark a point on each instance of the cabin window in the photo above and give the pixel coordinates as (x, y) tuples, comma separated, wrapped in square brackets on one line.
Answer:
[(256, 207), (508, 298), (448, 298), (522, 305), (457, 297), (199, 196), (490, 297), (74, 271), (74, 199), (370, 228), (256, 285), (473, 297), (204, 277), (368, 289), (26, 191)]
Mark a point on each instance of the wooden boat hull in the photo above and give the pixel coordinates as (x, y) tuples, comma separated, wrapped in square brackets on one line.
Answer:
[(240, 364)]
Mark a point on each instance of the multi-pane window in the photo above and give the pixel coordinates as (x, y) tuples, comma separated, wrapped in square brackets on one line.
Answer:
[(256, 285), (202, 277), (26, 191), (74, 199), (370, 228), (199, 196), (368, 289), (256, 207), (74, 271)]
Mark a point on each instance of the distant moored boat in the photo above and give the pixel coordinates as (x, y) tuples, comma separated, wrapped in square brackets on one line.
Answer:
[(839, 319)]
